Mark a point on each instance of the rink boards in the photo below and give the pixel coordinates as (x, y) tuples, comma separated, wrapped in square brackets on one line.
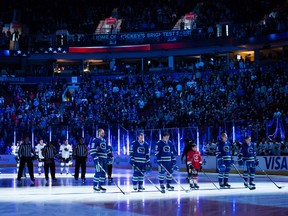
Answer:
[(273, 164)]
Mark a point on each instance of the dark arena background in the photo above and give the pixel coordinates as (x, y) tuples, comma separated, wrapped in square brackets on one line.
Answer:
[(195, 69)]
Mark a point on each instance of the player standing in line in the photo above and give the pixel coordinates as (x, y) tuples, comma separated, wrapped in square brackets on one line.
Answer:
[(140, 160), (164, 152), (187, 148), (80, 156), (194, 162), (38, 150), (247, 158), (224, 160), (99, 152), (65, 154)]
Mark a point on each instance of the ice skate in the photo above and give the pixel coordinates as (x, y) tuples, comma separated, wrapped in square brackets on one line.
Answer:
[(141, 188), (169, 187), (227, 185)]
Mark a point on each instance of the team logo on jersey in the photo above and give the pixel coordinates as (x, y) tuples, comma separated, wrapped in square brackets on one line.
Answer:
[(196, 157), (141, 150), (226, 148), (103, 145), (166, 149), (250, 150)]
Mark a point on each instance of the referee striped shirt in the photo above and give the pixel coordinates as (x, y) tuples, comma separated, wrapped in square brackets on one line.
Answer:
[(26, 150), (49, 152), (81, 150)]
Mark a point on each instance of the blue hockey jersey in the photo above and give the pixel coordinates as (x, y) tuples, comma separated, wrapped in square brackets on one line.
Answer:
[(247, 152), (139, 152), (224, 151), (165, 152), (99, 148)]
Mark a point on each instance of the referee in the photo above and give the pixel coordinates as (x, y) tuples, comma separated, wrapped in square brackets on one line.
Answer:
[(49, 153), (80, 156), (26, 154)]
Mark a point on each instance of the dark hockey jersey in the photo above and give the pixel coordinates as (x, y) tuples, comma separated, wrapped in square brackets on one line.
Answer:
[(139, 152), (247, 152), (223, 150), (99, 148), (165, 151)]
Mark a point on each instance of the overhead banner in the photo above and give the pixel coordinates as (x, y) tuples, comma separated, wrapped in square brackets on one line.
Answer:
[(173, 35)]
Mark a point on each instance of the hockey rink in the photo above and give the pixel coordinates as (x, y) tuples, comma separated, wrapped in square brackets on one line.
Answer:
[(70, 197)]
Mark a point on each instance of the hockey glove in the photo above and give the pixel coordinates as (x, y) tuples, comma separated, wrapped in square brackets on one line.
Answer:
[(256, 162), (240, 162), (176, 168), (201, 166), (96, 160), (191, 166), (148, 166), (220, 161), (132, 163), (110, 161), (174, 162), (221, 168)]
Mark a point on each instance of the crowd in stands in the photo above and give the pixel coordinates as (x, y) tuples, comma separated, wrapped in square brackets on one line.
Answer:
[(203, 98)]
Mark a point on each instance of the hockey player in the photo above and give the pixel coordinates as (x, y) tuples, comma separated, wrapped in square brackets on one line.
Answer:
[(38, 150), (187, 148), (224, 160), (49, 153), (211, 148), (194, 162), (65, 154), (99, 152), (164, 152), (139, 160), (80, 156), (247, 158)]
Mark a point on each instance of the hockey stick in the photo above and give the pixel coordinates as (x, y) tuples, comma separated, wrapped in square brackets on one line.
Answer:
[(174, 178), (279, 187), (162, 191), (125, 193), (210, 179), (246, 183)]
